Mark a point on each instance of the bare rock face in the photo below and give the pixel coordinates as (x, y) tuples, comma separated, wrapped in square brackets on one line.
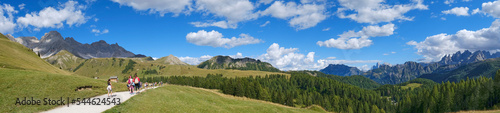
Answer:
[(53, 42)]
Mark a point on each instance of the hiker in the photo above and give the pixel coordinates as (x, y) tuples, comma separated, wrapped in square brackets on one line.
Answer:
[(130, 84), (110, 91), (137, 82)]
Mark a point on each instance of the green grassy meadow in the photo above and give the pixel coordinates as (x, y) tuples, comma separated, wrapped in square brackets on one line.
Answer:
[(174, 98)]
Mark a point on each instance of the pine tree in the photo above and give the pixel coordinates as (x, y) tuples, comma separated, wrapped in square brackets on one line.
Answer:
[(375, 109)]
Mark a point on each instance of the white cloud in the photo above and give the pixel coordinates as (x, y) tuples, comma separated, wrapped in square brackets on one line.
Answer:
[(265, 24), (347, 40), (49, 17), (475, 11), (326, 29), (233, 11), (99, 32), (7, 19), (221, 24), (301, 16), (492, 8), (389, 53), (374, 11), (459, 11), (449, 1), (238, 55), (216, 39), (21, 6), (159, 6), (287, 59), (435, 47), (96, 19), (331, 58), (195, 60)]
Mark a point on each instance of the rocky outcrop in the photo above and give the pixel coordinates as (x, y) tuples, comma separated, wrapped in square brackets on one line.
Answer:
[(226, 62), (53, 42), (341, 70)]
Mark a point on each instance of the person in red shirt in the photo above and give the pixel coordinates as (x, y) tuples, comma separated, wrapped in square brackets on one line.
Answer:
[(137, 82)]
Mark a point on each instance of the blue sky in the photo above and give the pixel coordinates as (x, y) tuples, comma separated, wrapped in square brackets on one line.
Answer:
[(291, 35)]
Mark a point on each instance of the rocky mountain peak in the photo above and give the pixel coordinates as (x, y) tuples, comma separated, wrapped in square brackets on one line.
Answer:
[(52, 35)]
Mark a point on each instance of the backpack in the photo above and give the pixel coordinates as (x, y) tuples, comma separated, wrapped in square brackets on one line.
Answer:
[(136, 80)]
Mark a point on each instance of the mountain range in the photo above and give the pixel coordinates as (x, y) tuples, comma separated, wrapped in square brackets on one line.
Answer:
[(53, 42), (226, 62), (394, 74)]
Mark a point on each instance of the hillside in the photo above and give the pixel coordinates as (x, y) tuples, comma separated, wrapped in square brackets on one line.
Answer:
[(124, 67), (226, 62), (356, 80), (341, 70), (485, 68), (39, 85), (170, 60), (65, 60), (16, 56), (174, 98)]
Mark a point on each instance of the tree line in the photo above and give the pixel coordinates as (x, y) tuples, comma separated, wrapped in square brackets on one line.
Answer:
[(301, 90)]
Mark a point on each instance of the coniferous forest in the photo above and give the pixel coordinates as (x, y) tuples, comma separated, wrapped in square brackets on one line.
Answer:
[(302, 90)]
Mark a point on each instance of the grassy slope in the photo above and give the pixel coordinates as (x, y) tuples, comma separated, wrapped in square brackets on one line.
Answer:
[(411, 85), (173, 98), (15, 56), (26, 83), (65, 60), (106, 67)]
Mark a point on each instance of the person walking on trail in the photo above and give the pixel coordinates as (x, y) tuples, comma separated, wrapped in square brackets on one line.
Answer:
[(130, 83), (137, 82), (110, 91)]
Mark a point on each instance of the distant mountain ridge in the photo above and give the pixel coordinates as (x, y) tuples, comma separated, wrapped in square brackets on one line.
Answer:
[(387, 74), (226, 62), (53, 42), (341, 70)]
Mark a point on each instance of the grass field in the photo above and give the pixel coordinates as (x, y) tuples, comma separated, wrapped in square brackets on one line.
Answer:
[(15, 56), (173, 98), (40, 85), (411, 85)]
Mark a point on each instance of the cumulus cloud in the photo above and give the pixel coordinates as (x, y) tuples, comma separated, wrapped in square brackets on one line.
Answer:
[(287, 58), (265, 1), (435, 47), (300, 16), (99, 32), (374, 11), (159, 6), (69, 13), (233, 11), (492, 8), (349, 40), (7, 19), (216, 39), (195, 60), (459, 11)]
